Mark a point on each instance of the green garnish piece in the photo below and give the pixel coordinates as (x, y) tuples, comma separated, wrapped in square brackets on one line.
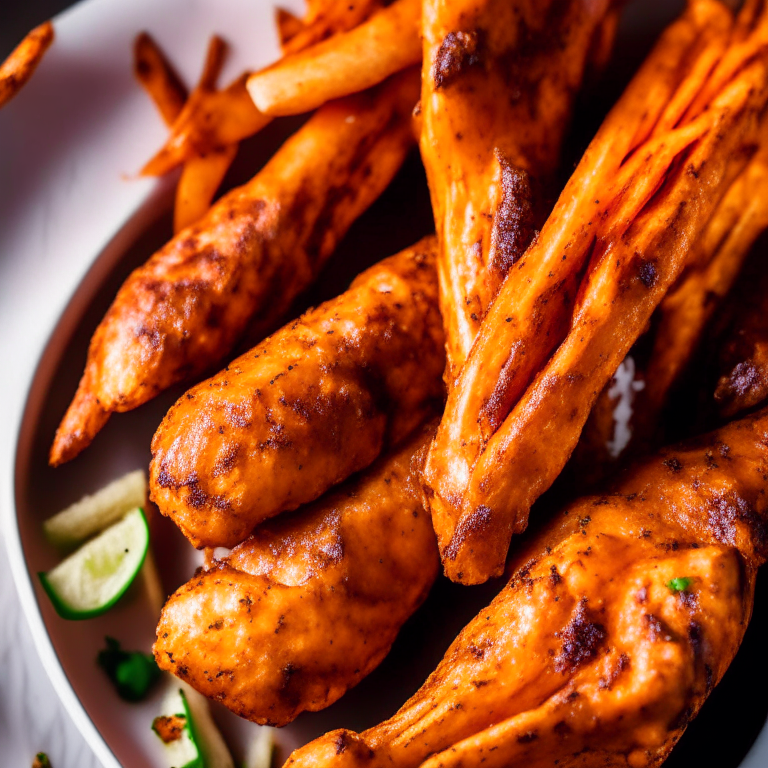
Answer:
[(680, 584), (41, 761), (133, 673)]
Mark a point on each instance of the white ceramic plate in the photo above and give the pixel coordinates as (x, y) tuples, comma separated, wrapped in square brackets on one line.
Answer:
[(73, 222)]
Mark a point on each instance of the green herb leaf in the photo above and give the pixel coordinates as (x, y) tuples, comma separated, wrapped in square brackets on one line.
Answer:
[(41, 761), (132, 673), (680, 584)]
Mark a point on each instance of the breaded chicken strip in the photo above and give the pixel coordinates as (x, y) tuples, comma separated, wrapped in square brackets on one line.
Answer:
[(621, 616), (315, 402), (499, 82), (311, 603), (244, 262)]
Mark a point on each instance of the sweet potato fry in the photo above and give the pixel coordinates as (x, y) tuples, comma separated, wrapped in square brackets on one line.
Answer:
[(245, 262), (200, 179), (159, 79), (310, 405), (489, 160), (683, 316), (202, 175), (323, 19), (288, 26), (345, 63), (506, 436), (210, 120), (16, 70), (333, 584)]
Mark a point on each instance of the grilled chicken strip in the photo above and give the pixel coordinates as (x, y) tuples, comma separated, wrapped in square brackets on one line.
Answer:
[(573, 306), (621, 616), (498, 85), (311, 603), (244, 262), (303, 410)]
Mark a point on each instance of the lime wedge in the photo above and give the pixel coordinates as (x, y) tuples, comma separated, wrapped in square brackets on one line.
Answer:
[(92, 514), (95, 577)]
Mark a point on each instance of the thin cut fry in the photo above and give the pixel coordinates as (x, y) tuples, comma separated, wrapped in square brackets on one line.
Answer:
[(159, 79), (346, 63), (16, 70), (210, 120), (200, 179), (629, 215), (288, 26), (323, 19)]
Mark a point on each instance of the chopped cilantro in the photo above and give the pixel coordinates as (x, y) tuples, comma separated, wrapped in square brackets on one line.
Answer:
[(680, 584), (133, 673)]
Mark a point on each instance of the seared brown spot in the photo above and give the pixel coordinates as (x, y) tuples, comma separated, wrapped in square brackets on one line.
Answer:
[(473, 524), (458, 52), (513, 220), (580, 640)]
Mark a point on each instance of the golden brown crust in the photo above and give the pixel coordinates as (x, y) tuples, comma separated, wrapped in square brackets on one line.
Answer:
[(487, 156), (303, 410), (311, 603), (593, 655), (244, 263)]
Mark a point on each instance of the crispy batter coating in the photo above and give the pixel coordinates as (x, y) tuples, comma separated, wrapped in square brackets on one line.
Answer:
[(244, 262), (489, 155), (306, 408), (593, 654), (743, 356), (571, 309), (311, 603)]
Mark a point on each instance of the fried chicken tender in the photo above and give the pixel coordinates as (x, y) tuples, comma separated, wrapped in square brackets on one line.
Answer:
[(742, 362), (572, 307), (620, 617), (243, 264), (499, 81), (315, 402), (311, 603)]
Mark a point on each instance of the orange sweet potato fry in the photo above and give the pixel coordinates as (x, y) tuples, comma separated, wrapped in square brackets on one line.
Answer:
[(200, 178), (159, 79), (346, 63), (16, 70), (323, 19)]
